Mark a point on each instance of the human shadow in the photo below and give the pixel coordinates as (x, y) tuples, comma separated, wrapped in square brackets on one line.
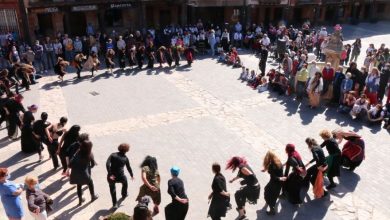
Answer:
[(102, 212), (348, 182), (19, 157), (104, 75), (183, 68), (25, 169), (42, 177)]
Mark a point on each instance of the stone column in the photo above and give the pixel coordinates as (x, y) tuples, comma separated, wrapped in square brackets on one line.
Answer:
[(183, 14)]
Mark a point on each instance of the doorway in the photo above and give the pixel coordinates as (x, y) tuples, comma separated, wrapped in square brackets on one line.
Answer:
[(45, 24), (165, 18), (76, 23)]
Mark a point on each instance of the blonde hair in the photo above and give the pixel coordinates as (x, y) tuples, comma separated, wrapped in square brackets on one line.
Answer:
[(269, 158), (31, 180), (326, 134)]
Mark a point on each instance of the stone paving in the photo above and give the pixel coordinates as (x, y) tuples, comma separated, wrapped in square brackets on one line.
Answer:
[(192, 117)]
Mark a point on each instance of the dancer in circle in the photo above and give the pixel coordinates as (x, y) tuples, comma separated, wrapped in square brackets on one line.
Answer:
[(334, 156), (292, 187), (251, 187), (55, 131), (272, 190), (220, 198), (151, 179), (28, 141), (178, 208), (115, 172), (67, 140)]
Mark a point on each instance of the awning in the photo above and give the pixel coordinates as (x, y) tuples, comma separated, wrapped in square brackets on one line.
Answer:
[(219, 3)]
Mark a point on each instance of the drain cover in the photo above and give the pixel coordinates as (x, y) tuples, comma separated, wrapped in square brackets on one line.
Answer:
[(94, 93)]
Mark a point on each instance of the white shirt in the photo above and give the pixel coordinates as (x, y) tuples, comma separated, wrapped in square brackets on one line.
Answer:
[(237, 36), (312, 70), (265, 41), (121, 44), (57, 48)]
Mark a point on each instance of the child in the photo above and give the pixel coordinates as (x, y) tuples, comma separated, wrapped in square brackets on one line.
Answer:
[(346, 86), (251, 77), (360, 106), (244, 75), (348, 103), (263, 86)]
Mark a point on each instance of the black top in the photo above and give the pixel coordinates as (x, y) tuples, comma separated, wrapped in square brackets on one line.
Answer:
[(39, 128), (275, 172), (14, 107), (331, 146), (219, 184), (318, 156), (249, 180), (72, 149), (176, 188), (295, 163), (115, 164)]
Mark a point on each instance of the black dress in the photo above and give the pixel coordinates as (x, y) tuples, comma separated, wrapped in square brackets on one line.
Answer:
[(140, 58), (334, 158), (292, 187), (150, 56), (273, 187), (219, 203), (27, 141), (13, 108)]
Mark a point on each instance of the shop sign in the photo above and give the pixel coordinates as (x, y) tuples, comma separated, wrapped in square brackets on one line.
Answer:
[(123, 5), (84, 8), (46, 10)]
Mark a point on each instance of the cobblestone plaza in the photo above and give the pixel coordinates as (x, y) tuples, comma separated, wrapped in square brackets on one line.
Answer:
[(192, 117)]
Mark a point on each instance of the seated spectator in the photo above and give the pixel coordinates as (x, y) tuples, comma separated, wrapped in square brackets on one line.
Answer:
[(263, 86), (237, 63), (244, 75), (360, 107), (386, 118), (257, 81), (271, 75), (375, 115), (346, 86), (251, 77), (280, 83), (348, 103)]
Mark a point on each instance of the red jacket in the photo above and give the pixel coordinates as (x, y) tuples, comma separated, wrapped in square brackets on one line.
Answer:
[(328, 74)]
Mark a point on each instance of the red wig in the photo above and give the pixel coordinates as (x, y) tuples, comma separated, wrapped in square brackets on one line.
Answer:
[(235, 162)]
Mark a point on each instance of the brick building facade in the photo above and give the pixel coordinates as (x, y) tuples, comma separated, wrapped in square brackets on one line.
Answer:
[(11, 18), (47, 17)]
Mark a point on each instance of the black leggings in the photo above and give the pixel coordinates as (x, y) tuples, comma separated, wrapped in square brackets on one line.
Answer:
[(250, 193), (176, 211), (90, 187)]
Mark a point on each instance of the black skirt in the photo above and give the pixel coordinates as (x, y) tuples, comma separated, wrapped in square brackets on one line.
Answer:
[(292, 188), (218, 206), (27, 140), (272, 192)]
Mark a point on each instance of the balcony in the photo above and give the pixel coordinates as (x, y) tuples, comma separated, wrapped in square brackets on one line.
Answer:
[(59, 3), (271, 2)]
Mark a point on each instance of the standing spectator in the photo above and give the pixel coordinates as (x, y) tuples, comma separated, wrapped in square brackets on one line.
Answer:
[(372, 86), (314, 89), (81, 165), (178, 208), (212, 41), (29, 56), (225, 40), (39, 59), (57, 46), (220, 198), (263, 60), (13, 56), (356, 47), (327, 76), (338, 80), (10, 196), (68, 46), (383, 81), (78, 45), (300, 82), (115, 172), (37, 200), (50, 54), (90, 30), (121, 44)]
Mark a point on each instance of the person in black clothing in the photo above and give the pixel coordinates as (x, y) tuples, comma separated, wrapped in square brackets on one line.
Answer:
[(274, 167), (292, 187), (251, 187), (384, 79), (115, 172), (220, 198), (140, 56), (149, 51), (13, 108), (318, 158), (55, 131), (357, 76), (178, 208), (68, 139), (122, 58), (263, 60), (75, 147), (79, 60), (29, 143), (40, 133), (334, 156)]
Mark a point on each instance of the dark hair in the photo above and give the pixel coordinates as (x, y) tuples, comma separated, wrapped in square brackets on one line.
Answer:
[(73, 133), (44, 116), (150, 162), (123, 148), (141, 211), (216, 168), (86, 149), (63, 120), (83, 137), (235, 162), (311, 142)]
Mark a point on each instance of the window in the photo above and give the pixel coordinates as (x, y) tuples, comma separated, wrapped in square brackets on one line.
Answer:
[(113, 18), (8, 21), (236, 12)]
